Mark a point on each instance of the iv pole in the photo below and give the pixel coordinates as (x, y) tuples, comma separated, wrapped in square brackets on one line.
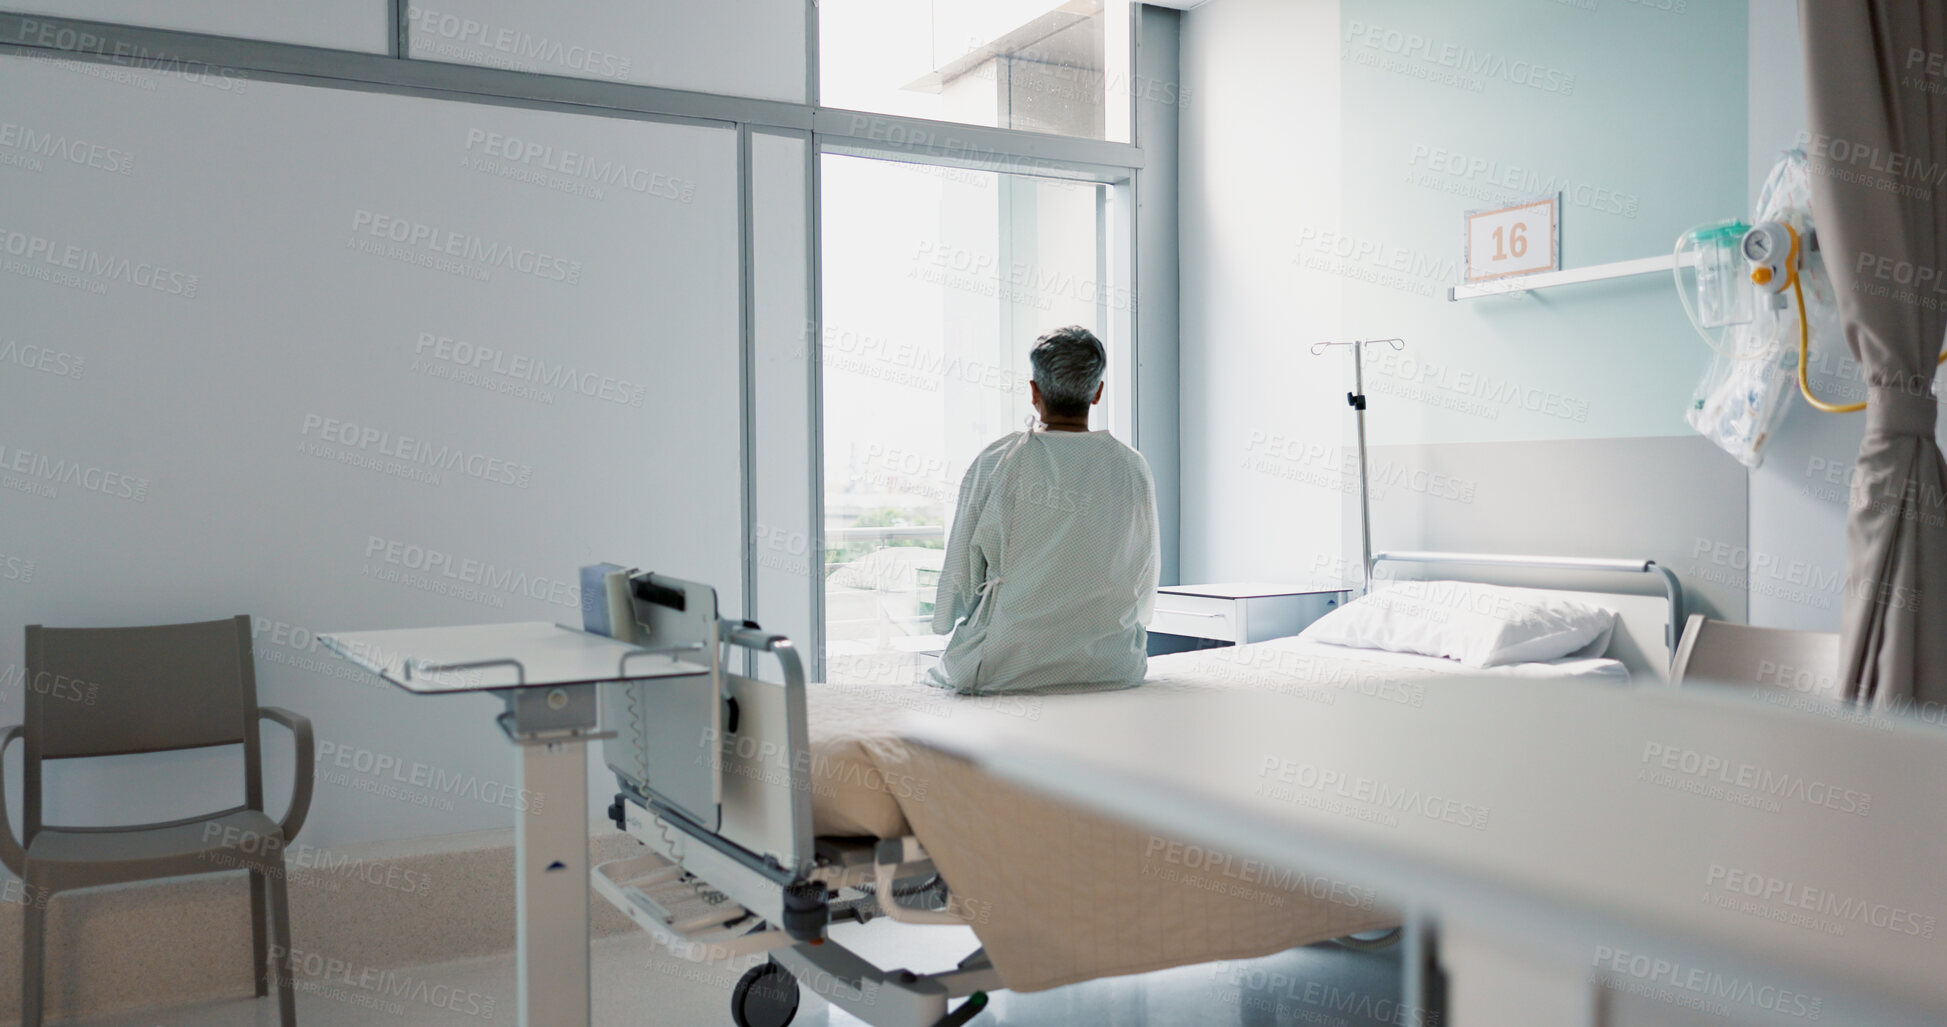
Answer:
[(1356, 399)]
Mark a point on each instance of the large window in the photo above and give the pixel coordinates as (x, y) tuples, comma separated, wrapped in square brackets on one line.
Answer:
[(936, 283), (1035, 65)]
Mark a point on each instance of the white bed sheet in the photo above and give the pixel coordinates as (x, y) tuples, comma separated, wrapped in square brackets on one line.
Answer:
[(1059, 896), (856, 790)]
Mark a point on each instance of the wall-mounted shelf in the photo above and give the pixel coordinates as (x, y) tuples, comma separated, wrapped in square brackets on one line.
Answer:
[(1572, 276)]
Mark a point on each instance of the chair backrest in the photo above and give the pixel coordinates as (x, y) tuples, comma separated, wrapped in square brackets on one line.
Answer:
[(1720, 652), (117, 691)]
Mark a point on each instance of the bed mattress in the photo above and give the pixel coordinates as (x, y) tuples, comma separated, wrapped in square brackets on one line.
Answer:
[(1057, 895), (858, 788)]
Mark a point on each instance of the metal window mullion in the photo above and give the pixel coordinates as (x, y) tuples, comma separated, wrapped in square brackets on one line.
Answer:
[(1007, 239), (1116, 221), (1126, 281), (1006, 150), (747, 375), (1105, 235), (815, 375)]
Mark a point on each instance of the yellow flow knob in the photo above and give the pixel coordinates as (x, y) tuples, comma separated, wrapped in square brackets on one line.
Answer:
[(1761, 275)]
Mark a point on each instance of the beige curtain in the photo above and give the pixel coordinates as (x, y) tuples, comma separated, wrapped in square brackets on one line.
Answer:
[(1877, 91)]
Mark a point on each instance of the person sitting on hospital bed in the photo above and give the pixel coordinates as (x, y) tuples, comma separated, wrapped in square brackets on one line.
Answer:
[(1051, 566)]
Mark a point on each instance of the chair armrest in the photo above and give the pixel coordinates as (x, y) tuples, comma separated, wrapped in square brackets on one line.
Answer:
[(10, 851), (303, 774)]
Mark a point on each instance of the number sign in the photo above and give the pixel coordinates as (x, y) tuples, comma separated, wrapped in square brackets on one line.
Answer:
[(1514, 240)]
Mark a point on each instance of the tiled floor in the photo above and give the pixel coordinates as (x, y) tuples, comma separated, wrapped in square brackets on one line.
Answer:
[(639, 985)]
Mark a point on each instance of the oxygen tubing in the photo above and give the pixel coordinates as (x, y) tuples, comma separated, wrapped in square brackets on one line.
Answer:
[(1804, 352)]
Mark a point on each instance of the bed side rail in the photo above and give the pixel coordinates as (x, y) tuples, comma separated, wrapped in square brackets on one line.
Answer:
[(765, 755)]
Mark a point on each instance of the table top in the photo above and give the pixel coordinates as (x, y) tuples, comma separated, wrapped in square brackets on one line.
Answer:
[(1795, 845), (1246, 590), (483, 657)]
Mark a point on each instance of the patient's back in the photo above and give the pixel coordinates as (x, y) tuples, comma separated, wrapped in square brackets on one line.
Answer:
[(1079, 564)]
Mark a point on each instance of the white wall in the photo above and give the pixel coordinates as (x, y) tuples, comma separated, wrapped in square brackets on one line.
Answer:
[(1254, 156), (1324, 181), (1798, 511), (191, 320), (1259, 149)]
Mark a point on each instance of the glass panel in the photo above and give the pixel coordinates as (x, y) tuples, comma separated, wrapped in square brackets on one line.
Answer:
[(1035, 65), (783, 475), (362, 373), (364, 25), (733, 47), (936, 283)]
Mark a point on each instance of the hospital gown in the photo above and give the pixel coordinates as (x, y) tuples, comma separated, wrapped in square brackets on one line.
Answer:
[(1051, 567)]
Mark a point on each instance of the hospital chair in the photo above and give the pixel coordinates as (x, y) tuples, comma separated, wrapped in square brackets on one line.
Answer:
[(1723, 653), (118, 691)]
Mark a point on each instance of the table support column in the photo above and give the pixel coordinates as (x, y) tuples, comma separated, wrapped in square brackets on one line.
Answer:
[(1422, 988), (551, 882)]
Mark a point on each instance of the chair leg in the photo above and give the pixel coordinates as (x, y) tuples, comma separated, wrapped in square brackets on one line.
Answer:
[(33, 939), (259, 955), (280, 940)]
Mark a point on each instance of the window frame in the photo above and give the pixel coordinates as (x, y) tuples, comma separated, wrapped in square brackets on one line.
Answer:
[(834, 131)]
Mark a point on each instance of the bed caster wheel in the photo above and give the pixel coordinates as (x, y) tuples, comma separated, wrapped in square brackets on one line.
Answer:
[(1370, 941), (767, 996)]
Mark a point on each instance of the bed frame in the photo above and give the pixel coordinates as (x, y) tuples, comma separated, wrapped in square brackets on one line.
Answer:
[(730, 871), (742, 842), (1649, 626)]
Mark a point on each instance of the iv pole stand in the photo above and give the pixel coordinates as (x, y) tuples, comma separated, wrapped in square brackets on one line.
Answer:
[(1356, 399)]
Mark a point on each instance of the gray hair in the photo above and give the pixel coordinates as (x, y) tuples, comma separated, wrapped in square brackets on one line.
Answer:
[(1068, 365)]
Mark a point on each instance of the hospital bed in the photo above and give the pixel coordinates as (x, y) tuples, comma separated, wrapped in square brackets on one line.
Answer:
[(771, 812)]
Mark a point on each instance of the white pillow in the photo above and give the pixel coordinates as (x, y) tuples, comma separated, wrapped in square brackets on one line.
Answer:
[(1478, 625)]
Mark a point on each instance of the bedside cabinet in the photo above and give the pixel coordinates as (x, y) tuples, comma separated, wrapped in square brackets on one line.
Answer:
[(1238, 614)]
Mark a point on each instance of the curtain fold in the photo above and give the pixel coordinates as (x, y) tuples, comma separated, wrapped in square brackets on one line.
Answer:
[(1877, 107)]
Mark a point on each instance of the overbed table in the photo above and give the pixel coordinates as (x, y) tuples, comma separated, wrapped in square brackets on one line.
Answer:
[(547, 674), (1563, 843)]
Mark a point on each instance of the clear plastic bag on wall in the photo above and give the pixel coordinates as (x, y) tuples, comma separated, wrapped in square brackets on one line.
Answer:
[(1743, 397), (1740, 401)]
